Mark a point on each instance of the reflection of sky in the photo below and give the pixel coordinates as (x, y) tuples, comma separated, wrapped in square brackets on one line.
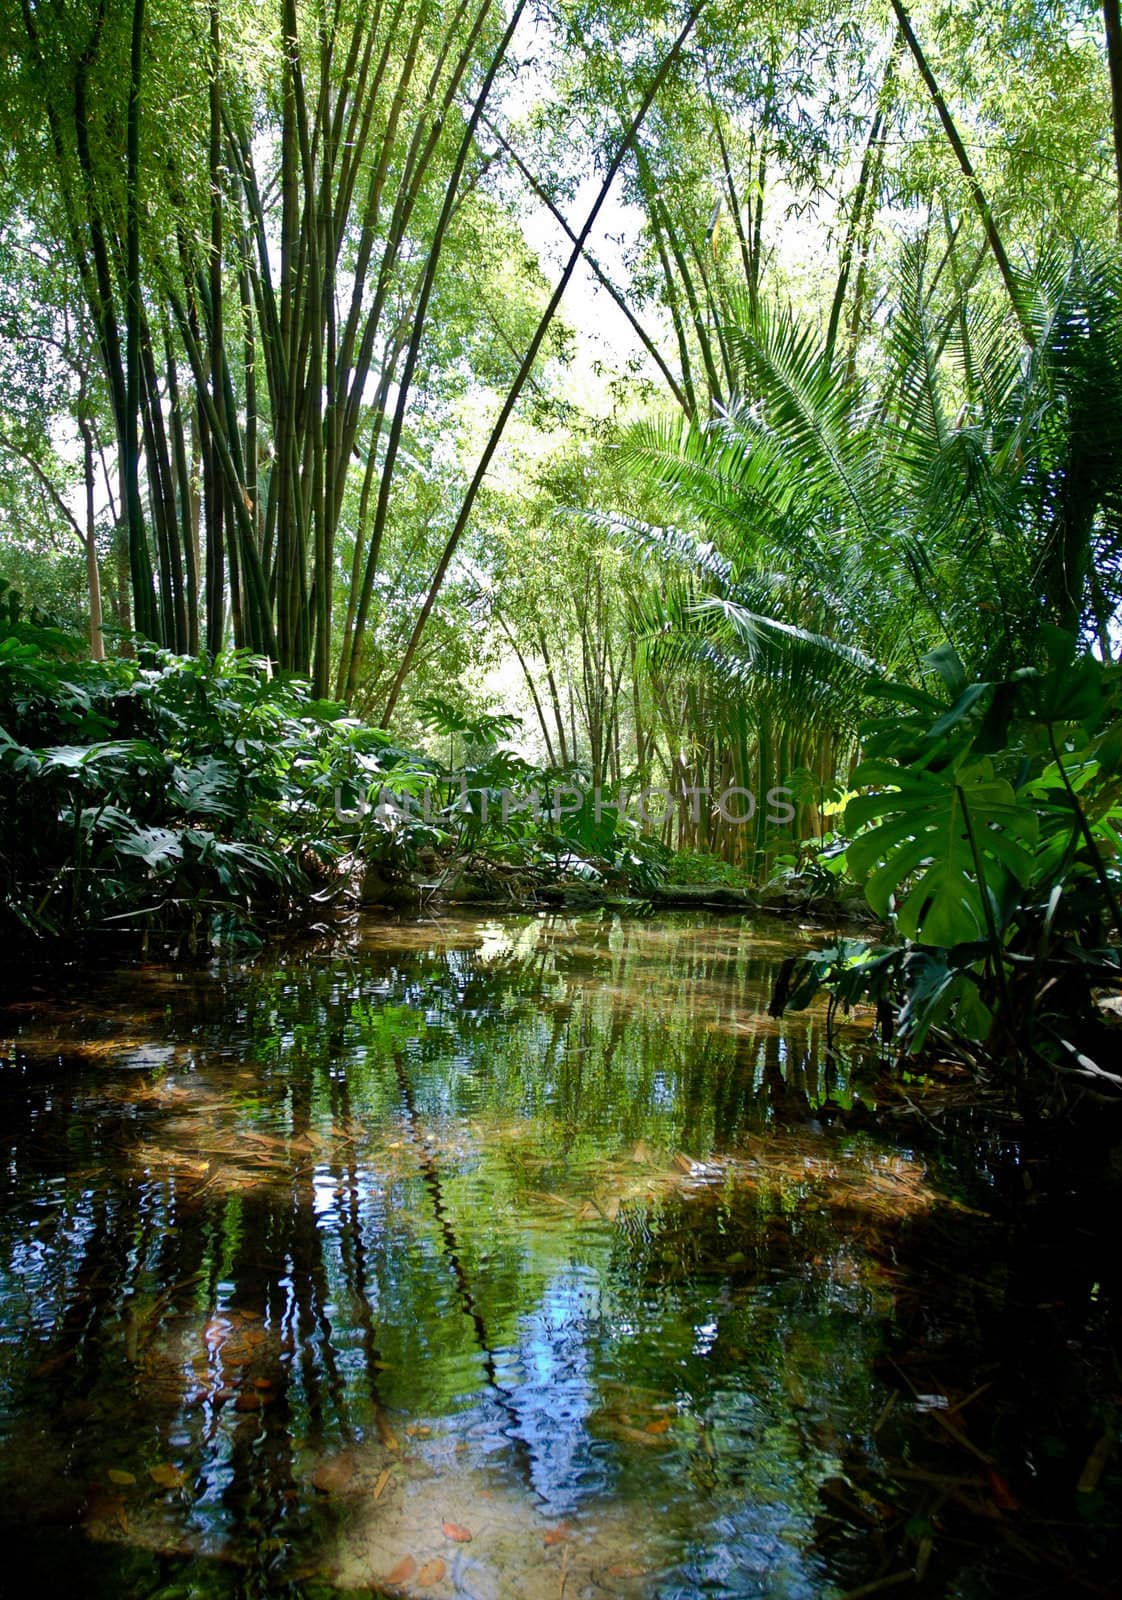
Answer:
[(554, 1394), (550, 1089)]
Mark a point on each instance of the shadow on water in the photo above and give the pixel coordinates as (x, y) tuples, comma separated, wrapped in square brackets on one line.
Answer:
[(522, 1257)]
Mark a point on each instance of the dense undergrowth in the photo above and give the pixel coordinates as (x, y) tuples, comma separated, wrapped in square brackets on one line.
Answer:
[(205, 800), (985, 830), (161, 794), (164, 794)]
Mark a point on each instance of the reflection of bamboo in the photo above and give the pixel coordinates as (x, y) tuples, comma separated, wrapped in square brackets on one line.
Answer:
[(354, 1254), (305, 1248), (430, 1175)]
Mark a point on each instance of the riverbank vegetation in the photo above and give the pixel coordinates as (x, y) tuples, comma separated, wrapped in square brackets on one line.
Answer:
[(441, 424), (611, 461)]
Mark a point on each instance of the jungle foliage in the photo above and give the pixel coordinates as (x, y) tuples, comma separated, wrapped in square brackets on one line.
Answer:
[(986, 833), (965, 500), (204, 798), (287, 380), (170, 794)]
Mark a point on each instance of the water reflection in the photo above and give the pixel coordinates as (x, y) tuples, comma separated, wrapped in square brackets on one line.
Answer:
[(479, 1258)]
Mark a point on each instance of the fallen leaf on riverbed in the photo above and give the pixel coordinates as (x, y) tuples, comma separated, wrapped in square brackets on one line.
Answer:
[(116, 1475), (659, 1425), (404, 1570), (167, 1476), (432, 1572), (457, 1531), (556, 1535), (624, 1430), (380, 1486), (334, 1476)]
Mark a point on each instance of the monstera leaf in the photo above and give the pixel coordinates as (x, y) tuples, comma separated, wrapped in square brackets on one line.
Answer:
[(938, 843)]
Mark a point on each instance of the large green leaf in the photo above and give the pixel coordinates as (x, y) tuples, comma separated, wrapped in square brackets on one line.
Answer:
[(936, 843)]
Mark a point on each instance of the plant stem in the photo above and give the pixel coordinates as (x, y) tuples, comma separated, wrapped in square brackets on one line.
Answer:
[(997, 950), (1088, 836)]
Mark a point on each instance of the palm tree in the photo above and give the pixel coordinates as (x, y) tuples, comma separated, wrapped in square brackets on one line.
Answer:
[(829, 528)]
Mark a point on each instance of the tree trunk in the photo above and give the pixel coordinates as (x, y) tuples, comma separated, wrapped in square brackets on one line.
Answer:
[(468, 503), (144, 604), (976, 190), (93, 574), (1113, 21)]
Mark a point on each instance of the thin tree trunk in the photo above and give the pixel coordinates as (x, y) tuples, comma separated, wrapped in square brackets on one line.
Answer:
[(977, 193), (554, 695), (1113, 21), (516, 388), (186, 497), (637, 712), (144, 604), (733, 203), (758, 227), (530, 684), (660, 218), (595, 268), (161, 496), (405, 382), (675, 309), (861, 285), (864, 195), (93, 574)]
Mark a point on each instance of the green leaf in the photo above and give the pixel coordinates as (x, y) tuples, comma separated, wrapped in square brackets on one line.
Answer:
[(944, 662), (926, 839), (154, 846), (962, 707), (1059, 646), (1071, 693)]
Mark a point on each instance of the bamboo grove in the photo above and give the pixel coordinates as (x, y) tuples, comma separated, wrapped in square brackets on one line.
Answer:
[(266, 342), (279, 238)]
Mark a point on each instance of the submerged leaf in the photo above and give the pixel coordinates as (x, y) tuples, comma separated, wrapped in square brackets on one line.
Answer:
[(334, 1476), (404, 1570)]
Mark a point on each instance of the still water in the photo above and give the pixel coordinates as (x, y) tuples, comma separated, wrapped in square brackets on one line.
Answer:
[(516, 1257)]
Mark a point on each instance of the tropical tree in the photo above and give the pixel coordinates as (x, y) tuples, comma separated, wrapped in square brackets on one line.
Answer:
[(828, 529), (288, 249)]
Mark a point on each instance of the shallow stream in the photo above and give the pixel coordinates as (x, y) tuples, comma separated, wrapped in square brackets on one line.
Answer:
[(512, 1257)]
